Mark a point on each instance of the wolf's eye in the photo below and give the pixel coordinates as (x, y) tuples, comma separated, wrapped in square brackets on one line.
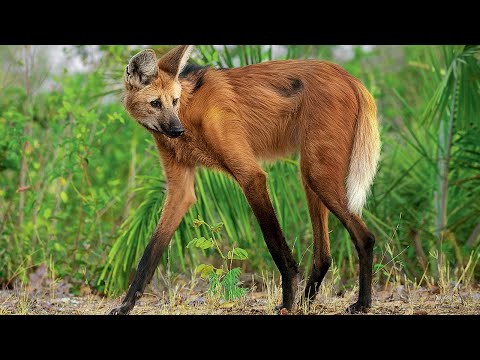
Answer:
[(174, 102), (156, 104)]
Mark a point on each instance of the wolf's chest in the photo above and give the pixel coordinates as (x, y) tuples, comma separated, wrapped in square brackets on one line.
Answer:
[(190, 151)]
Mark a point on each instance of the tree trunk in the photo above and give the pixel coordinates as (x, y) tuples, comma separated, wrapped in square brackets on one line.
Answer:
[(441, 195)]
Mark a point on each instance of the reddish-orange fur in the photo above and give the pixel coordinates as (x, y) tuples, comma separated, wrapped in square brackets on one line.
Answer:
[(241, 108), (263, 111)]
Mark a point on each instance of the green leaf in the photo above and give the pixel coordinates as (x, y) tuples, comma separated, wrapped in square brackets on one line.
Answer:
[(217, 228), (199, 268), (191, 243), (64, 196), (237, 254), (231, 278), (201, 243), (377, 267), (204, 270), (205, 244), (230, 283)]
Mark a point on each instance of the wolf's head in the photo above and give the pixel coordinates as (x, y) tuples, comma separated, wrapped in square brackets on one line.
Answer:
[(152, 89)]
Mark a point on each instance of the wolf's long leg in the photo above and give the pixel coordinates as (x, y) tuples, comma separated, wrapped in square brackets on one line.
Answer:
[(180, 197)]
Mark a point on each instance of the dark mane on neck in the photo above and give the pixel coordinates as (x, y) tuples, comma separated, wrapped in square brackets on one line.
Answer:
[(194, 73), (192, 69)]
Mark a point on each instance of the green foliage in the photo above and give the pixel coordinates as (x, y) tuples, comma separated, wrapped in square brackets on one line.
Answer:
[(227, 287), (224, 281), (76, 176), (201, 243), (94, 188)]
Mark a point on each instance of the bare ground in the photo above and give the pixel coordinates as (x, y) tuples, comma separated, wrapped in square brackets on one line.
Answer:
[(187, 299)]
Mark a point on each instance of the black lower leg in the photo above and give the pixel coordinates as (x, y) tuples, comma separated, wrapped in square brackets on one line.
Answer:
[(365, 254), (334, 199), (145, 270), (316, 278), (365, 291), (288, 270), (321, 244), (255, 189), (289, 288)]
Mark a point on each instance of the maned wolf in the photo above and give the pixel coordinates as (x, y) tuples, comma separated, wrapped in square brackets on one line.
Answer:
[(228, 119)]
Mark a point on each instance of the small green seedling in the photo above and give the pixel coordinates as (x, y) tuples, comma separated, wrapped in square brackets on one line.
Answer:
[(224, 281)]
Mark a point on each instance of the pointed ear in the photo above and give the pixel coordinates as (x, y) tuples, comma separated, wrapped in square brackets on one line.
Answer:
[(142, 69), (175, 60)]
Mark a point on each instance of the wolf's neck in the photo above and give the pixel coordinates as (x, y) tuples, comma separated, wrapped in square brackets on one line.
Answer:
[(192, 79), (193, 75)]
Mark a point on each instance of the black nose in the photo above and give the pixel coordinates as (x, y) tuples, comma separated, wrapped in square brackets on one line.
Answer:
[(176, 132)]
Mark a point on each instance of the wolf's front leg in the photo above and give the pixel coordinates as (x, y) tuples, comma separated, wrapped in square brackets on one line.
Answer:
[(180, 197)]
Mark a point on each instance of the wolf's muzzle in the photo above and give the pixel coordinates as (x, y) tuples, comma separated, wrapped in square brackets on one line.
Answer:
[(174, 128)]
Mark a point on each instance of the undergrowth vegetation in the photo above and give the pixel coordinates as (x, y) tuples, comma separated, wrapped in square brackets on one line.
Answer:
[(81, 186)]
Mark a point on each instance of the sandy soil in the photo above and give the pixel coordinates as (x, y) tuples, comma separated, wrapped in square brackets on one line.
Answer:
[(394, 300)]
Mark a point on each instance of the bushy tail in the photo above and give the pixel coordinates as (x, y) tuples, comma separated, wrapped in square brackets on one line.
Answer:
[(365, 152)]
